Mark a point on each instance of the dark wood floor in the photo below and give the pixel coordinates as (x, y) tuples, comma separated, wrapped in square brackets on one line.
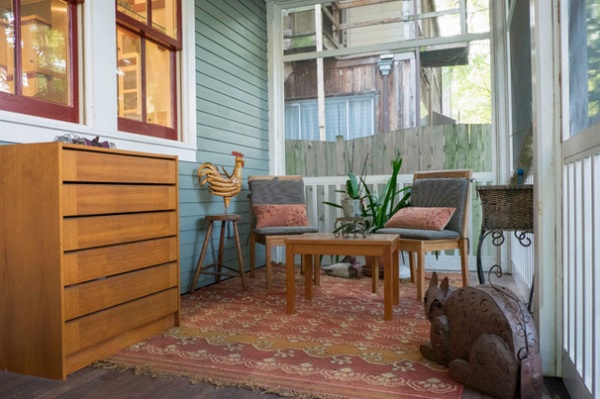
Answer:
[(99, 383)]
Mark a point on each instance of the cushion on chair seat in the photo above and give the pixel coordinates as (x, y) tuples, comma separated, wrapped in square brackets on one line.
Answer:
[(285, 230), (418, 234)]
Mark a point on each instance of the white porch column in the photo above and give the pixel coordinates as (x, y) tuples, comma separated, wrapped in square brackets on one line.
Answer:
[(547, 174)]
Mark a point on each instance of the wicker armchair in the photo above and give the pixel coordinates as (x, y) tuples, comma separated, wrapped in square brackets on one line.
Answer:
[(268, 190)]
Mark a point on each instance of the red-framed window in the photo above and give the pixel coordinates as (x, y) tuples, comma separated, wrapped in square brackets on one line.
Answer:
[(39, 77), (148, 47)]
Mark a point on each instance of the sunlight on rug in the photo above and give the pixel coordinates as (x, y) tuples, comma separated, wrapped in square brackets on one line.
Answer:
[(336, 346)]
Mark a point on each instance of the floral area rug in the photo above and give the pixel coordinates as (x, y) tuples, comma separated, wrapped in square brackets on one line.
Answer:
[(336, 346)]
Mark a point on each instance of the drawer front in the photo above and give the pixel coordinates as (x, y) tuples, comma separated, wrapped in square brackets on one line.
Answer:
[(86, 298), (98, 199), (87, 166), (88, 331), (90, 264), (97, 231)]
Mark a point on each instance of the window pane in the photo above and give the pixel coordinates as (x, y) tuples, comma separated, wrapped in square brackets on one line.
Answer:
[(353, 24), (335, 119), (136, 9), (360, 115), (437, 95), (584, 65), (309, 121), (164, 17), (457, 92), (45, 58), (7, 40), (158, 85), (440, 26), (129, 75), (292, 121), (478, 16)]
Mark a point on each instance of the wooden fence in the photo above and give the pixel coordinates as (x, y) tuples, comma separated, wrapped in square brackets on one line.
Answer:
[(426, 148)]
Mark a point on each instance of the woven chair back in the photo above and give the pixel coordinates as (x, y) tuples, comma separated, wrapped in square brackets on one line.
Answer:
[(276, 190), (445, 188)]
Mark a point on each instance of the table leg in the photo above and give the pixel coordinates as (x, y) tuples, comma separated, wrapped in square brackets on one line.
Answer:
[(317, 270), (388, 278), (290, 283), (396, 272), (375, 274), (308, 276)]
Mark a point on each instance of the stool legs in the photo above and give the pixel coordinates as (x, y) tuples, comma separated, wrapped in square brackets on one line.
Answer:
[(219, 265), (220, 258), (252, 253), (239, 255), (202, 255)]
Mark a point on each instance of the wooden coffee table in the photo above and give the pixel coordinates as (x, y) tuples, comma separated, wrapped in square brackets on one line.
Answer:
[(316, 244)]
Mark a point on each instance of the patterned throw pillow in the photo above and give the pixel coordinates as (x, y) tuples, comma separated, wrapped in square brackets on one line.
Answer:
[(421, 218), (280, 215)]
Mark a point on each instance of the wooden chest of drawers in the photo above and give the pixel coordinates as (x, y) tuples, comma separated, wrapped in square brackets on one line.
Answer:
[(89, 254)]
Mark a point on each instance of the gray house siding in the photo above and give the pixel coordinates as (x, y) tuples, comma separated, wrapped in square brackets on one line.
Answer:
[(232, 115)]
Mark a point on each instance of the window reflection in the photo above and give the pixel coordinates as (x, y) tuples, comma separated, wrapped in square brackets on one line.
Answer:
[(349, 24), (158, 100), (44, 58), (584, 65), (129, 75), (163, 14)]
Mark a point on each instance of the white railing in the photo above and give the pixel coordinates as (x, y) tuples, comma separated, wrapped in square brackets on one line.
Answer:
[(319, 189), (580, 269)]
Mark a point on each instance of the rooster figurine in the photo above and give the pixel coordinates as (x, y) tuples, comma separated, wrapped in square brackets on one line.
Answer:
[(223, 184)]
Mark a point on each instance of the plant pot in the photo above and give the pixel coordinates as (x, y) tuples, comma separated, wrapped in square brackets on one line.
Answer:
[(351, 207)]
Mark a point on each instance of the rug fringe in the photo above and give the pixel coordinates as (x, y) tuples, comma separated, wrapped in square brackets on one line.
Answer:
[(147, 370)]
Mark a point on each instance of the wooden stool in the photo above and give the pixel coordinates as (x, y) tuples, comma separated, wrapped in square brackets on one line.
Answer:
[(224, 218)]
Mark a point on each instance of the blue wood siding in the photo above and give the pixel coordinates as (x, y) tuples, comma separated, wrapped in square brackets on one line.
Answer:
[(232, 115)]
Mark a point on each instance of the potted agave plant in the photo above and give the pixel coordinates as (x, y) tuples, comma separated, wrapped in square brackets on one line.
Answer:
[(377, 207), (381, 207), (351, 203)]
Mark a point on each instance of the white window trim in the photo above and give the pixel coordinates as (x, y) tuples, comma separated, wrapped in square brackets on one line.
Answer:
[(98, 92)]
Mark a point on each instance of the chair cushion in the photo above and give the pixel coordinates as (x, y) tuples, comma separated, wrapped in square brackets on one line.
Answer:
[(281, 231), (418, 234), (430, 218), (276, 215)]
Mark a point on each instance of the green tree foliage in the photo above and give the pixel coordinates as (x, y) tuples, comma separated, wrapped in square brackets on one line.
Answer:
[(471, 93), (593, 44)]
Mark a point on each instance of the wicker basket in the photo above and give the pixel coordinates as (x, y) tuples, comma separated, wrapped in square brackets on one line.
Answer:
[(507, 207)]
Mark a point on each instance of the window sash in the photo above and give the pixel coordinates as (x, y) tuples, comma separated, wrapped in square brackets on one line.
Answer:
[(162, 124), (17, 102)]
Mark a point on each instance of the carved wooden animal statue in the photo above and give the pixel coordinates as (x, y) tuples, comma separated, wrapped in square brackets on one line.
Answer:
[(223, 184), (486, 337)]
